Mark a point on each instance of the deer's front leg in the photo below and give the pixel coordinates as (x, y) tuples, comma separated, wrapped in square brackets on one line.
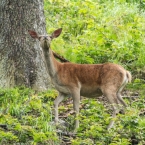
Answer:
[(59, 98), (76, 103)]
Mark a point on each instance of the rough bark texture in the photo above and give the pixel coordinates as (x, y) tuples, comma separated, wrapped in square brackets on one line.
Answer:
[(21, 58)]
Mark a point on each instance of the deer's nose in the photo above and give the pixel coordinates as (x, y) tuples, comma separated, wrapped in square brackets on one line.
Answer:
[(45, 37)]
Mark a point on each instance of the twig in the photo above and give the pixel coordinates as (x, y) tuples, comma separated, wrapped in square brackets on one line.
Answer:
[(130, 97), (69, 134)]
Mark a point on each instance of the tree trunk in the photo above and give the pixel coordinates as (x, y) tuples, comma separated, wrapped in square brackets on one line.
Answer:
[(21, 58)]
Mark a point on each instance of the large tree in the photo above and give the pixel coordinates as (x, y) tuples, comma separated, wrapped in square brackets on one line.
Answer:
[(21, 58)]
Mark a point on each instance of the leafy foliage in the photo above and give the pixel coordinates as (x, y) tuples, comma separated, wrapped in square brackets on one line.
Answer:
[(27, 117), (99, 31)]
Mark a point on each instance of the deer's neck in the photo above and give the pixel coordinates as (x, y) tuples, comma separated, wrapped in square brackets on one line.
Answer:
[(50, 62)]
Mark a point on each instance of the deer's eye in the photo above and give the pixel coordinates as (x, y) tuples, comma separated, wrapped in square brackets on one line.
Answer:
[(50, 37)]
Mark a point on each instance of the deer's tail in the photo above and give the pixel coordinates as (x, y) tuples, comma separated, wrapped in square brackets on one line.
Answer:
[(129, 76)]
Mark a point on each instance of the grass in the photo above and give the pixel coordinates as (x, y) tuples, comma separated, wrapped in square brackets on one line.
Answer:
[(28, 118)]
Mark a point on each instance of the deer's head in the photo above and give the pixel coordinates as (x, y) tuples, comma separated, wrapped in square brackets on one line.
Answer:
[(45, 39)]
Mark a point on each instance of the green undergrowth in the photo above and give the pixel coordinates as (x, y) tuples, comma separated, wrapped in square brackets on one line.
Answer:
[(129, 128), (27, 117), (98, 31)]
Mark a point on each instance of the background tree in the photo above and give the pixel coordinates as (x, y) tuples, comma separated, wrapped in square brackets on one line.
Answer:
[(21, 59)]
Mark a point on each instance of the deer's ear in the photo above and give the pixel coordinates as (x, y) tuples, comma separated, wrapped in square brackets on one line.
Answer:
[(56, 33), (33, 34)]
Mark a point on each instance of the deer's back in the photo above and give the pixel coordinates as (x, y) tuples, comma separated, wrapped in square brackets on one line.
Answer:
[(90, 78)]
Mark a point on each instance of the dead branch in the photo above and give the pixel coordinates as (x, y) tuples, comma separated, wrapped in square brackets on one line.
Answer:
[(69, 134)]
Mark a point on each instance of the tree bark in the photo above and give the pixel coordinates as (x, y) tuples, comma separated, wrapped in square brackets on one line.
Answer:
[(21, 58)]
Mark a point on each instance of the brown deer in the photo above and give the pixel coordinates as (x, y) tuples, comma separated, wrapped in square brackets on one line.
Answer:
[(89, 80)]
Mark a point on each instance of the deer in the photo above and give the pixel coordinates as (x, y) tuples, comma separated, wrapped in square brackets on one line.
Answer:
[(88, 80)]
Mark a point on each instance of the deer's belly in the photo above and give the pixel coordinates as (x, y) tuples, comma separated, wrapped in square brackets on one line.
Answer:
[(91, 92)]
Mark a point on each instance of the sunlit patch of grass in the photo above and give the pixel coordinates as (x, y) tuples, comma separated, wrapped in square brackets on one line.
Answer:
[(26, 116)]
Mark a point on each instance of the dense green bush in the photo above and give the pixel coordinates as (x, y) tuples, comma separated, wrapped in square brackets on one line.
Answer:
[(99, 31)]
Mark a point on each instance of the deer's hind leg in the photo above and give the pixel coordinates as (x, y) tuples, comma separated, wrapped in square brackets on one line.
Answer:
[(119, 94), (113, 100)]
